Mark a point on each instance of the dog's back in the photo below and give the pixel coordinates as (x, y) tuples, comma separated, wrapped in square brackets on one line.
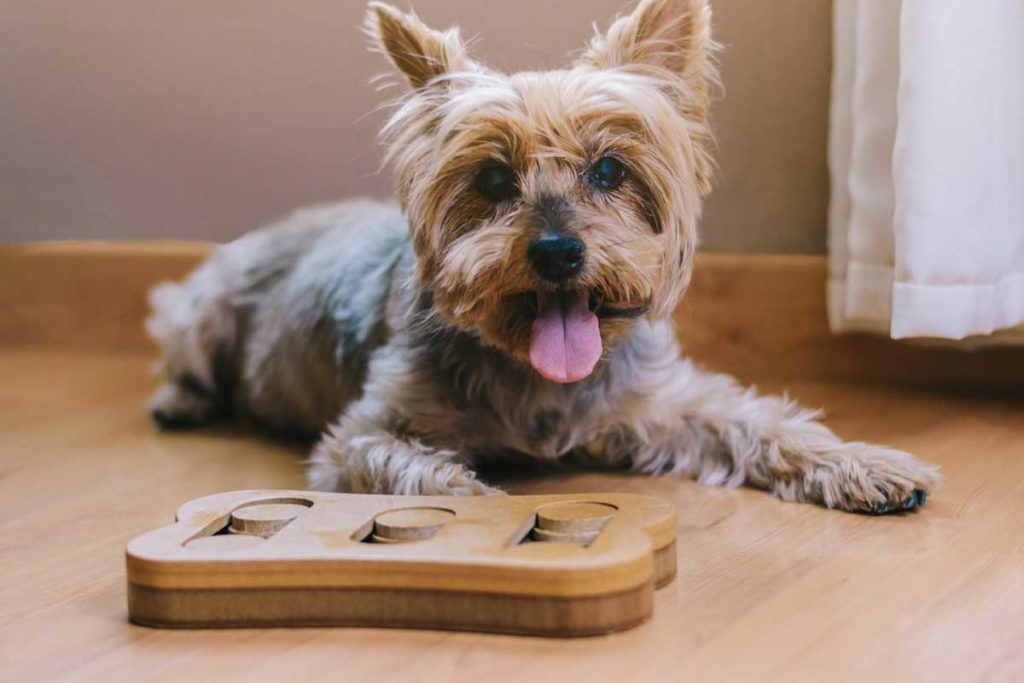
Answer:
[(279, 324)]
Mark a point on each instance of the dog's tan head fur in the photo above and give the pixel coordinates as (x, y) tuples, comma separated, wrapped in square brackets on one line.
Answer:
[(488, 162)]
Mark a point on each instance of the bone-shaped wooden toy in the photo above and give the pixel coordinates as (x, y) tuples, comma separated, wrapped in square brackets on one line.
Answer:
[(559, 565)]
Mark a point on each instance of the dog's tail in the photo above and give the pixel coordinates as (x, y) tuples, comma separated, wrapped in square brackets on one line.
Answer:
[(195, 324)]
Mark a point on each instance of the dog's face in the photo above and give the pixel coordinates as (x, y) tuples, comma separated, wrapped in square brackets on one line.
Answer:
[(550, 210)]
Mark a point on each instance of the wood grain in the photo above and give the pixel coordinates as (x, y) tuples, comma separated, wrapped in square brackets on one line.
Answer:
[(765, 591), (588, 615), (758, 317)]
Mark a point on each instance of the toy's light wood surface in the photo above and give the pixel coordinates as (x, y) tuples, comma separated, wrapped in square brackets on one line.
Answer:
[(436, 562), (765, 590), (225, 543), (477, 549)]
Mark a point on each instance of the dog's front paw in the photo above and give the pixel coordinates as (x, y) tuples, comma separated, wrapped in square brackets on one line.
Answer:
[(472, 487), (872, 479), (433, 476), (381, 463)]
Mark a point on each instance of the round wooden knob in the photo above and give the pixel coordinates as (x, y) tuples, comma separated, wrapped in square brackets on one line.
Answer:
[(410, 524), (264, 520), (572, 518)]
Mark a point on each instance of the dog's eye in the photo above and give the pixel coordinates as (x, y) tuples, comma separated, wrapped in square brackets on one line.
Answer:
[(497, 182), (607, 173)]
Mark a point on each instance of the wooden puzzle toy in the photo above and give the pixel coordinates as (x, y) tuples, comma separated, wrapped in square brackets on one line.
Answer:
[(558, 565)]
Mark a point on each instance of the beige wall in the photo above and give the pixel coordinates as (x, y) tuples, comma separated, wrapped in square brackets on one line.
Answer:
[(199, 119)]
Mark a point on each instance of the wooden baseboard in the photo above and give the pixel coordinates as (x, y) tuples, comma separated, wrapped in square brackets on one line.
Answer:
[(86, 294), (758, 317)]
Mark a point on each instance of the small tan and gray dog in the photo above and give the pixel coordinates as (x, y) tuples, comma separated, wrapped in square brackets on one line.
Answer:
[(518, 305)]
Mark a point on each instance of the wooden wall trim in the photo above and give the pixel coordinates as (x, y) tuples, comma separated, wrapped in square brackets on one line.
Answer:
[(758, 317), (85, 294), (765, 317)]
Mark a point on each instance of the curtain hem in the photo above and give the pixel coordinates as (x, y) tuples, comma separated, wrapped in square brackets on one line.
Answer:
[(957, 311)]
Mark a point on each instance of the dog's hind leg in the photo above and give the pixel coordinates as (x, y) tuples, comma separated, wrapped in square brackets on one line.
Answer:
[(195, 323)]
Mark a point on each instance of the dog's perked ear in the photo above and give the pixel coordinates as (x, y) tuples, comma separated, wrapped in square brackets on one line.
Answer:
[(671, 41), (671, 34), (418, 51)]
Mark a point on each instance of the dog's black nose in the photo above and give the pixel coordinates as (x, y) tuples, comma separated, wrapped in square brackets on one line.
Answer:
[(556, 258)]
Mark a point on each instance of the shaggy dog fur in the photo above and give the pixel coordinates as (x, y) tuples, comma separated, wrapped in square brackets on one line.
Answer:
[(420, 338)]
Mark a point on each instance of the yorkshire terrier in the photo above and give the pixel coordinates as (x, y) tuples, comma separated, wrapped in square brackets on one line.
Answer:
[(518, 305)]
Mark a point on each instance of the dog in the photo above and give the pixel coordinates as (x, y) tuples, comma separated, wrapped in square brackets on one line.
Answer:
[(517, 304)]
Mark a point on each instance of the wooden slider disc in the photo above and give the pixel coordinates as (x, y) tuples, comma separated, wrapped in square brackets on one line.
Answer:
[(573, 518), (381, 539), (577, 538), (410, 524), (264, 520)]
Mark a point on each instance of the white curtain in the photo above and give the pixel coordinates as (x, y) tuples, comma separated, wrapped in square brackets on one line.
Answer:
[(926, 150)]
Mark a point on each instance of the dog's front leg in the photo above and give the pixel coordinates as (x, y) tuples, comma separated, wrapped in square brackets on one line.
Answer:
[(358, 454), (706, 426)]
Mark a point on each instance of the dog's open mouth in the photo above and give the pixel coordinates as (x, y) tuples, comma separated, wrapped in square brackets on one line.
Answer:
[(597, 304), (565, 341)]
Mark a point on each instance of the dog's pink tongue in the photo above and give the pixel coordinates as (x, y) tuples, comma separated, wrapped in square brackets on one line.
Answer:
[(566, 341)]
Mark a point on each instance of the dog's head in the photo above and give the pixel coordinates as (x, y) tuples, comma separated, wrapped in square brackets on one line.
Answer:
[(549, 210)]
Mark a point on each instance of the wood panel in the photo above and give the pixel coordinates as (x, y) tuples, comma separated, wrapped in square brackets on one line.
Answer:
[(765, 317), (85, 294), (759, 317)]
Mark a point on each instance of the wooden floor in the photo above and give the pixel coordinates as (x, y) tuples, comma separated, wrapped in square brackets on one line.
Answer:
[(766, 590)]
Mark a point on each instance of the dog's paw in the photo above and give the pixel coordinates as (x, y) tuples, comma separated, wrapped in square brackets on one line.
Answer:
[(173, 406), (474, 487), (381, 463), (442, 478), (323, 472), (872, 480), (915, 499)]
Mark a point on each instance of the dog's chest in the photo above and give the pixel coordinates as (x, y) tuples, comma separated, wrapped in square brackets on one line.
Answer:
[(489, 406), (548, 432), (545, 429), (545, 433)]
